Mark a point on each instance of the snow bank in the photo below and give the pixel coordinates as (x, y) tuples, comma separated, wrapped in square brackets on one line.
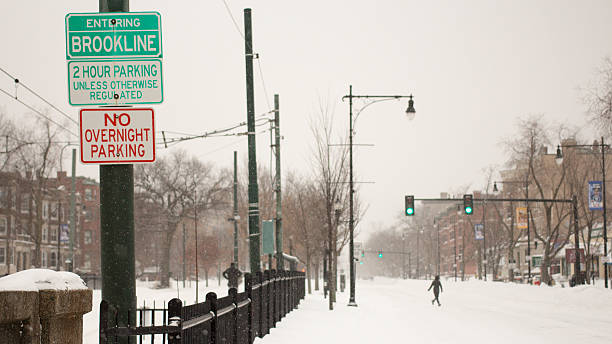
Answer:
[(41, 279)]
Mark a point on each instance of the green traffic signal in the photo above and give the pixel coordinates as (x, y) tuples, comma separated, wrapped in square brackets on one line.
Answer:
[(409, 202), (468, 204), (379, 254)]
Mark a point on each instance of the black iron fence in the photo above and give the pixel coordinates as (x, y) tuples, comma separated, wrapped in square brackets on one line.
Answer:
[(234, 319)]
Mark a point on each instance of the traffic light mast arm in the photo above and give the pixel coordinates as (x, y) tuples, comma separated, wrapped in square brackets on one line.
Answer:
[(385, 252), (481, 200)]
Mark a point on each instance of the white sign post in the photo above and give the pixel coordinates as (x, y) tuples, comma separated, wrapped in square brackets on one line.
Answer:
[(117, 135)]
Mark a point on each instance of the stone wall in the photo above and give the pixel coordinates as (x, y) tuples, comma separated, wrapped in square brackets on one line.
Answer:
[(46, 316)]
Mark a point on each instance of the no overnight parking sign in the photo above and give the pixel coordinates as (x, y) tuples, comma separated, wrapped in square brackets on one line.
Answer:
[(117, 135)]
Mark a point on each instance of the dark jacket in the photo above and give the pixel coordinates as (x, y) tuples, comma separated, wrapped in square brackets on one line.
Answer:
[(437, 286), (232, 274)]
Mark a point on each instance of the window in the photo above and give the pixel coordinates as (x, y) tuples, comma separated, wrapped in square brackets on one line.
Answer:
[(54, 209), (25, 203), (2, 255), (88, 195), (86, 261), (45, 209), (53, 234), (88, 215), (53, 260), (45, 233), (44, 259), (24, 227), (3, 225), (87, 237), (4, 197)]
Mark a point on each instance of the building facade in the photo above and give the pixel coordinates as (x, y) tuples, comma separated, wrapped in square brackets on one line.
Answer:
[(21, 232)]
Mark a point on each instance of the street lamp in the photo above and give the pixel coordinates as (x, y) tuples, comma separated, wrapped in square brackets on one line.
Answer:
[(410, 111), (559, 161)]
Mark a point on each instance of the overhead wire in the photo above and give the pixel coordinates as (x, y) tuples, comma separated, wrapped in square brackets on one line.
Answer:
[(39, 113), (256, 56), (18, 82)]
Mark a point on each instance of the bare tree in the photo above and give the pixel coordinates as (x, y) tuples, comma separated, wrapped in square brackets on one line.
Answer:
[(331, 174), (599, 99), (528, 153), (37, 155), (181, 187)]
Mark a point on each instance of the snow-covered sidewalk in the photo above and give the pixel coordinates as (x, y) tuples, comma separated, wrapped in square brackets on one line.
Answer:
[(400, 311)]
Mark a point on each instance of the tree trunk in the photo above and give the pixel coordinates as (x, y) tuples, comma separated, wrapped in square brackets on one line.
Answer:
[(308, 272), (479, 264), (316, 271), (36, 259), (544, 275), (164, 278)]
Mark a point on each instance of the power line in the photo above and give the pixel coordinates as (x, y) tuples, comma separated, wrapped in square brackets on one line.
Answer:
[(38, 112), (17, 82)]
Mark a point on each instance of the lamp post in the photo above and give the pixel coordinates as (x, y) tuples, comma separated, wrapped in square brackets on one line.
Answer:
[(559, 160), (455, 242), (420, 231), (403, 255), (436, 224), (526, 183), (410, 111)]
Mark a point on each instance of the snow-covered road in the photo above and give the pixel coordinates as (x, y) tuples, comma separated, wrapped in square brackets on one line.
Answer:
[(398, 311)]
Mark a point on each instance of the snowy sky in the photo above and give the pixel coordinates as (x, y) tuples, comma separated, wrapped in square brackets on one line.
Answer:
[(473, 67)]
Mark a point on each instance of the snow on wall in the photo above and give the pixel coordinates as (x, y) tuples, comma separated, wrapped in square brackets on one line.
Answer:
[(41, 279)]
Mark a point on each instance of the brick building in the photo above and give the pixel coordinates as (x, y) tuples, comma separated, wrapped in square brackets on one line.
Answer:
[(18, 220)]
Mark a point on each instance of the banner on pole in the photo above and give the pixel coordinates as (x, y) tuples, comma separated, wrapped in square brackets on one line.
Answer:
[(570, 255), (268, 237), (64, 233), (521, 218), (479, 231), (595, 195)]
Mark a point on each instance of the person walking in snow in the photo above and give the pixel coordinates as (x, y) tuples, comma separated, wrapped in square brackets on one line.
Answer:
[(437, 288), (232, 274)]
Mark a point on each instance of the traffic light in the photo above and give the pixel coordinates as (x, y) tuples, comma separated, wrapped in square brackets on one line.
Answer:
[(409, 205), (468, 204), (379, 254), (362, 253)]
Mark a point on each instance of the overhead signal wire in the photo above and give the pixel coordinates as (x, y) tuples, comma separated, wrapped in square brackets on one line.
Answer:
[(39, 113), (18, 82), (214, 133)]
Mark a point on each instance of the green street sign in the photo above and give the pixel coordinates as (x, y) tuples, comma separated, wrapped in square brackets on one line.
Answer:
[(268, 237), (113, 35)]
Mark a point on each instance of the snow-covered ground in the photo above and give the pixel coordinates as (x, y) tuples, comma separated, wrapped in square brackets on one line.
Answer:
[(398, 311)]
